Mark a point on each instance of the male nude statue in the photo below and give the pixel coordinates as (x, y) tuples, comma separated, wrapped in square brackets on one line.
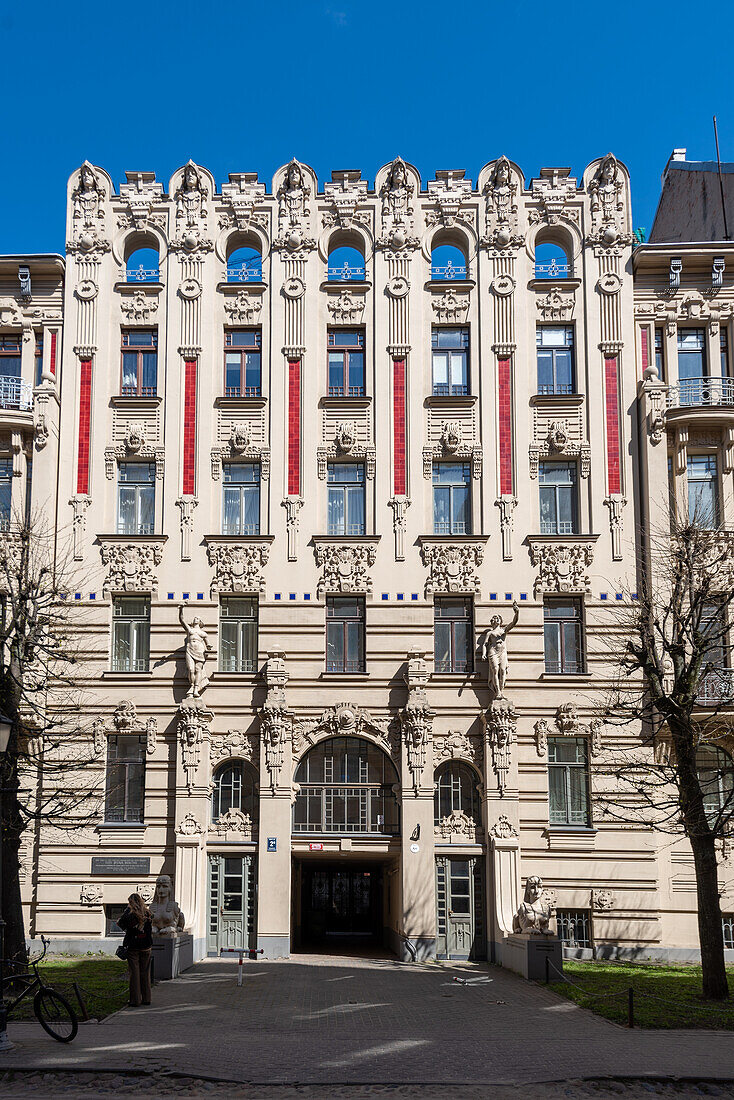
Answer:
[(493, 649), (197, 649)]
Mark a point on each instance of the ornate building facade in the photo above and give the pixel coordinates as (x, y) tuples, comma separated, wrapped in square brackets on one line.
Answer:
[(347, 468)]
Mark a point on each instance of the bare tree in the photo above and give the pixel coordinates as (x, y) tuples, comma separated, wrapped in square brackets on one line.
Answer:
[(43, 774), (670, 646)]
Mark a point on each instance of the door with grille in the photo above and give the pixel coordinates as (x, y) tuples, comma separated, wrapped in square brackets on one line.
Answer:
[(231, 903), (460, 908)]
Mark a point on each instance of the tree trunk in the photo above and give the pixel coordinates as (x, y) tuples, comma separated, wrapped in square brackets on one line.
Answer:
[(710, 929), (12, 909)]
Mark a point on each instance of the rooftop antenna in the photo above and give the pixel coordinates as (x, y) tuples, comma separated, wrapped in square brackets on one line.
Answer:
[(721, 182)]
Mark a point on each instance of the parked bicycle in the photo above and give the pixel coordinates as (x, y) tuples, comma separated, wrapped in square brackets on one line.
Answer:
[(53, 1011)]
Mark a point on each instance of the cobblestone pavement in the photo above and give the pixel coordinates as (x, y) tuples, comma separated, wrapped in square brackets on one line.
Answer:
[(317, 1020)]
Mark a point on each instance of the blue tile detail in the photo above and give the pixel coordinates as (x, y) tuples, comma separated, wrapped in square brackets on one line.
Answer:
[(618, 596), (200, 595), (634, 595), (401, 596), (508, 595), (493, 595), (170, 595), (603, 596), (523, 595), (93, 595), (291, 595), (77, 595), (277, 596), (385, 596), (307, 595), (414, 595), (186, 595)]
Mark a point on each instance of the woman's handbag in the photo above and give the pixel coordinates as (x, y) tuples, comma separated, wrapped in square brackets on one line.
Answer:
[(121, 952)]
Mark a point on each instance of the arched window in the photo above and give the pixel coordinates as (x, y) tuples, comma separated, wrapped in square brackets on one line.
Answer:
[(346, 264), (234, 789), (346, 786), (448, 261), (551, 261), (455, 789), (716, 775), (245, 265), (141, 265)]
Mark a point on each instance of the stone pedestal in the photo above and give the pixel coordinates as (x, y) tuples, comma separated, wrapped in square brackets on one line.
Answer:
[(172, 955), (526, 955)]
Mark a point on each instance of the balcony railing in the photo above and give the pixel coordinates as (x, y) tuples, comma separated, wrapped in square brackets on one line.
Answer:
[(443, 389), (15, 393), (346, 274), (240, 273), (346, 391), (143, 274), (715, 687), (552, 270), (450, 271), (556, 390), (701, 391), (241, 391), (130, 664)]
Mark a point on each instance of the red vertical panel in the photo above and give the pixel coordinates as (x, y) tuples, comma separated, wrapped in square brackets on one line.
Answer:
[(614, 479), (504, 390), (85, 419), (400, 481), (294, 427), (189, 429), (52, 354), (644, 338)]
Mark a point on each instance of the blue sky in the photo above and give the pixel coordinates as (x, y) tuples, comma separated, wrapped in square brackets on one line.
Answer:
[(347, 84)]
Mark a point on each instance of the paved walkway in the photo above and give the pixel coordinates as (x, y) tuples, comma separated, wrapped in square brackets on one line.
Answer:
[(331, 1020)]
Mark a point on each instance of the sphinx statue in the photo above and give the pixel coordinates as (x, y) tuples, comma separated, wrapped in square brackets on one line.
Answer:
[(534, 913), (168, 920)]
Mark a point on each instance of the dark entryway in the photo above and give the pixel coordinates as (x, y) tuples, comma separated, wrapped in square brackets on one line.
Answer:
[(341, 905)]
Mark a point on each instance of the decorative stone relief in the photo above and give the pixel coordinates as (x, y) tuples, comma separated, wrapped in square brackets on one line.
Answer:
[(561, 565), (557, 305), (346, 442), (691, 307), (503, 829), (615, 503), (416, 718), (399, 505), (193, 720), (493, 649), (396, 196), (233, 821), (568, 724), (450, 192), (608, 208), (189, 826), (87, 201), (240, 196), (138, 308), (553, 191), (186, 504), (602, 900), (452, 444), (457, 745), (276, 720), (233, 744), (243, 309), (190, 197), (507, 505), (344, 567), (146, 891), (345, 191), (398, 287), (141, 193), (294, 211), (346, 308), (237, 566), (131, 567), (135, 445), (500, 207), (500, 723), (457, 824), (292, 507), (452, 568), (91, 894), (125, 720), (343, 720), (555, 436)]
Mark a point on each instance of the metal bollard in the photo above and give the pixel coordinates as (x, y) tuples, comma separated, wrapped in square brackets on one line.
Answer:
[(547, 970), (631, 1007), (239, 968)]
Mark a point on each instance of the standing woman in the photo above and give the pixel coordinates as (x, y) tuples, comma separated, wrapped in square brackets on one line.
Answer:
[(138, 927)]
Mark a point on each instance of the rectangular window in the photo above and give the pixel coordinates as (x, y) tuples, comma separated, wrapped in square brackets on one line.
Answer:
[(659, 353), (39, 358), (346, 501), (568, 781), (345, 634), (554, 350), (450, 361), (346, 363), (703, 490), (139, 362), (111, 915), (453, 634), (125, 780), (242, 362), (6, 493), (241, 498), (713, 624), (574, 927), (136, 498), (691, 354), (724, 352), (10, 355), (130, 633), (451, 498), (238, 634), (727, 921), (558, 498), (563, 636)]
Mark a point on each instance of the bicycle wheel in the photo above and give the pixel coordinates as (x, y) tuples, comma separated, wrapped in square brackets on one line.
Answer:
[(55, 1015)]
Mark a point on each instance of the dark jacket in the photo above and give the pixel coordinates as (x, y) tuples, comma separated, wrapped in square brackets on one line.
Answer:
[(135, 938)]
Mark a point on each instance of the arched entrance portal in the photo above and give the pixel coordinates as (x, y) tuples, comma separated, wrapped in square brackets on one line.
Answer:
[(346, 828)]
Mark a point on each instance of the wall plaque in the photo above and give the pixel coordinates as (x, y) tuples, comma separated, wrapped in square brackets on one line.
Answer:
[(120, 865)]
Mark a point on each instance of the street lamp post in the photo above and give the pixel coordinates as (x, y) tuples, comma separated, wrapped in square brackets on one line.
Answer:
[(6, 727)]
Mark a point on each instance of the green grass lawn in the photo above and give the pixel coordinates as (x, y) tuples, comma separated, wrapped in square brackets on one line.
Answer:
[(678, 987), (102, 980)]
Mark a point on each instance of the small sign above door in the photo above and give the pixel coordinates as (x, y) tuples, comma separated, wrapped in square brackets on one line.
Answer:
[(120, 865), (315, 847), (272, 844)]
